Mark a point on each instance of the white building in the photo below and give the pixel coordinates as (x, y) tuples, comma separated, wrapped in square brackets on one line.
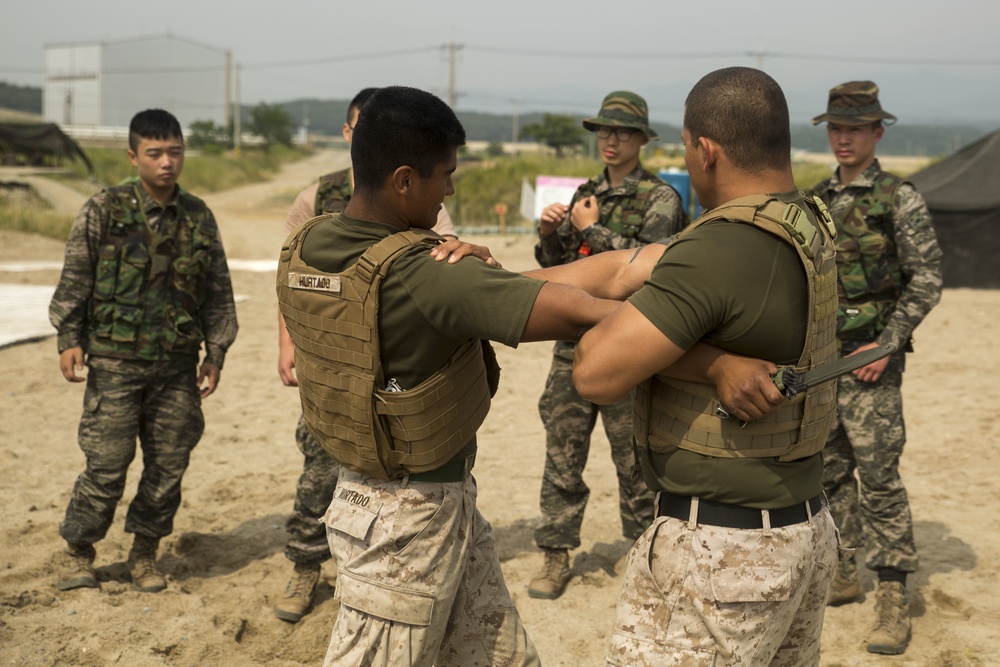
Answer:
[(103, 84)]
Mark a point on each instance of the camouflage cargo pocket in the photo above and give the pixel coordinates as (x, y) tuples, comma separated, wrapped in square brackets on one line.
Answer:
[(751, 584)]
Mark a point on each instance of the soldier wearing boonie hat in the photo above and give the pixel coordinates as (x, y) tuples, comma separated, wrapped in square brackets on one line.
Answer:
[(889, 278), (622, 109), (854, 103), (623, 207)]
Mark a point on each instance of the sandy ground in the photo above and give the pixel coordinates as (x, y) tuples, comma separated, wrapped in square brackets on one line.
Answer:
[(224, 560)]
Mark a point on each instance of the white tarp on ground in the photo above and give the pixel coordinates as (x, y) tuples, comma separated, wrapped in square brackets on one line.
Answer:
[(25, 311), (25, 308)]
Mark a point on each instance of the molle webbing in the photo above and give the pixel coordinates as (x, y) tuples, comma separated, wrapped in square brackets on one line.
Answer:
[(332, 319), (868, 270), (149, 285), (671, 414)]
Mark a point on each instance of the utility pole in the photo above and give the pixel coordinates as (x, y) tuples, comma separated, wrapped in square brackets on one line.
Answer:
[(305, 123), (514, 133), (237, 143), (228, 113), (452, 48)]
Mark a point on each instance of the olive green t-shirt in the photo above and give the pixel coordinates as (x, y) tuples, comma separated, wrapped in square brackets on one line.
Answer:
[(427, 308), (743, 290)]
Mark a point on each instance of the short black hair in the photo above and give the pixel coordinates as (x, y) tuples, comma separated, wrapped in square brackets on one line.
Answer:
[(358, 102), (402, 126), (153, 124), (744, 110)]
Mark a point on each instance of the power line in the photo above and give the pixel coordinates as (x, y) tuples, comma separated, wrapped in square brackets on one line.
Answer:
[(536, 53), (656, 55), (341, 59), (605, 54)]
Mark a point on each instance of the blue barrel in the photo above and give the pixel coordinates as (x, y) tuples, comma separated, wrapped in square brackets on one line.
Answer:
[(681, 181)]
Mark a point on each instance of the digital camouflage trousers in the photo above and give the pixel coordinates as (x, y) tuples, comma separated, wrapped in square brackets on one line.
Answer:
[(871, 509), (569, 421), (306, 533), (695, 594), (419, 581), (164, 413)]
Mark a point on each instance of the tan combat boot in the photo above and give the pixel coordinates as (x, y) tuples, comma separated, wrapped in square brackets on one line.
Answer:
[(846, 586), (891, 632), (298, 593), (551, 581), (77, 568), (141, 565)]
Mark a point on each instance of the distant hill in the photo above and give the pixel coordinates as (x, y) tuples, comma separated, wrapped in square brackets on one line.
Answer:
[(925, 140), (326, 117), (20, 98)]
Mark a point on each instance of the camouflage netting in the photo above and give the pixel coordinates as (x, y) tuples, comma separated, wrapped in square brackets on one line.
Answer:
[(964, 200), (31, 143)]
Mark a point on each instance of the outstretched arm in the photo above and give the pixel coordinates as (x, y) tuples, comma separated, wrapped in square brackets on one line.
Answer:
[(615, 274), (563, 312)]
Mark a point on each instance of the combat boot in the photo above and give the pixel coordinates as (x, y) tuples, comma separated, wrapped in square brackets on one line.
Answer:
[(141, 565), (891, 632), (298, 593), (846, 586), (551, 581), (77, 568)]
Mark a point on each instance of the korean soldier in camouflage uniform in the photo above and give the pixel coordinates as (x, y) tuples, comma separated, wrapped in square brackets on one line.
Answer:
[(307, 547), (145, 283), (889, 267), (624, 207)]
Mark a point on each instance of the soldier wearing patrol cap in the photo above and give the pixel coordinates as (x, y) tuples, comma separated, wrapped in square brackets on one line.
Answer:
[(889, 278), (623, 207)]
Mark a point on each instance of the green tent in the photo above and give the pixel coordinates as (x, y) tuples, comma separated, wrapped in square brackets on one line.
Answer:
[(30, 143)]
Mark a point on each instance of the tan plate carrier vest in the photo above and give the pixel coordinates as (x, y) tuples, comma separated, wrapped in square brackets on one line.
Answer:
[(674, 414), (333, 322)]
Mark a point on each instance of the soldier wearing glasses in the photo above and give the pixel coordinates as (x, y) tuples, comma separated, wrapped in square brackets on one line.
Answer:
[(625, 206)]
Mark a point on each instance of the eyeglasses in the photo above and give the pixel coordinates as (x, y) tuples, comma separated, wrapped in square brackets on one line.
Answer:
[(621, 133)]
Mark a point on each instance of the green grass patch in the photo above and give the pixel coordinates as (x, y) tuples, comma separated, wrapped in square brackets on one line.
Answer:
[(203, 171), (22, 210), (808, 174), (480, 186)]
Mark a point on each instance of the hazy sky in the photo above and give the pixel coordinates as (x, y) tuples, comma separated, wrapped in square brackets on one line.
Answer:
[(934, 62)]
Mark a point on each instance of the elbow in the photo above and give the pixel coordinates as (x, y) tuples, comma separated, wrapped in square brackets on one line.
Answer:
[(595, 387)]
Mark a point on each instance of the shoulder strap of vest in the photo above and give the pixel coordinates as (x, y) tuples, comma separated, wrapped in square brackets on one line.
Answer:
[(191, 203), (376, 260), (790, 219)]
